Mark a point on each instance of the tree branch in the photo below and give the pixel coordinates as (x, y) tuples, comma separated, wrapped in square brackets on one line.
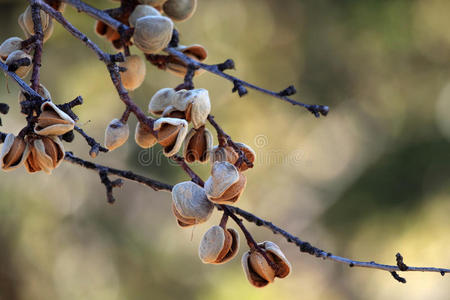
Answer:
[(238, 84), (304, 247), (36, 16)]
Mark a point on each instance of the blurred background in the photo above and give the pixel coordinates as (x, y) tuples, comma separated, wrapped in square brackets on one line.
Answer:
[(368, 181)]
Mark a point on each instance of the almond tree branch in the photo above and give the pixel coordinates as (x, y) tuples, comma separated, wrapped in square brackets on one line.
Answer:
[(304, 247), (38, 33), (231, 210), (239, 85)]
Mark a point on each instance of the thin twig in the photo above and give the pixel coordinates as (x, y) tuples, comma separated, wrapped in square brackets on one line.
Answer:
[(38, 32), (154, 184), (95, 146)]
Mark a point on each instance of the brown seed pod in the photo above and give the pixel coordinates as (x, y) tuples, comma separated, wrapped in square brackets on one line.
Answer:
[(197, 145), (180, 10), (171, 134), (218, 246), (134, 76), (152, 33), (228, 153), (258, 271), (177, 67), (53, 121), (14, 152), (144, 137), (46, 154), (116, 134), (29, 24)]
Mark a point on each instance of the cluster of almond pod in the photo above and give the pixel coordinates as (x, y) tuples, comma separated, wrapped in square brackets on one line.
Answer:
[(193, 204), (41, 150), (38, 149), (152, 33), (11, 49)]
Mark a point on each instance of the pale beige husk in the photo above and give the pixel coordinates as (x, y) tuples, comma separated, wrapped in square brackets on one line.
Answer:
[(177, 67), (28, 20), (144, 137), (134, 76), (22, 71), (10, 45), (140, 11), (205, 152), (20, 155), (59, 126), (223, 176), (212, 244), (180, 10), (190, 201), (152, 33), (183, 130), (116, 134), (161, 100), (200, 104)]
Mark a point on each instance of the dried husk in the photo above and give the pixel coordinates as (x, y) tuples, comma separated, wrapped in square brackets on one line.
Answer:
[(275, 253), (161, 100), (198, 145), (10, 45), (179, 68), (218, 246), (258, 271), (228, 153), (28, 20), (197, 101), (140, 11), (116, 134), (180, 10), (190, 204), (53, 121), (48, 31), (144, 137), (171, 133), (46, 154), (134, 76), (14, 152), (226, 183), (22, 71), (152, 33)]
